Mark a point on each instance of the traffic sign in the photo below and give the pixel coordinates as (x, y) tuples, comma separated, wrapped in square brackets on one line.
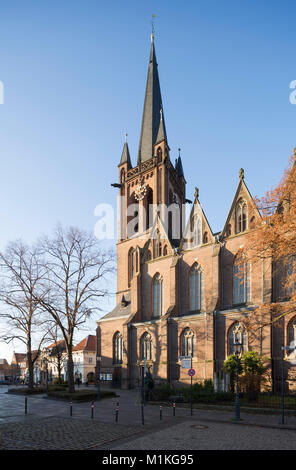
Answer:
[(191, 372)]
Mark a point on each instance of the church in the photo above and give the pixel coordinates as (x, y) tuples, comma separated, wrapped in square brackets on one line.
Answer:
[(180, 291)]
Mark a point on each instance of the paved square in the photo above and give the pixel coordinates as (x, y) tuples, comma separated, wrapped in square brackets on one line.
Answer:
[(61, 433)]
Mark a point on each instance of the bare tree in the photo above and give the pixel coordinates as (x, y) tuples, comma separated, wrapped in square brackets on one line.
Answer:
[(77, 269), (56, 352), (21, 273)]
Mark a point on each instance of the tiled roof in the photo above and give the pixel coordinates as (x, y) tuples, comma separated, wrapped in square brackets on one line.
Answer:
[(20, 357), (53, 345), (87, 344)]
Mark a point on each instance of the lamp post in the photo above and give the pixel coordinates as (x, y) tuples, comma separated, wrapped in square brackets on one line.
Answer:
[(99, 377), (284, 348), (237, 351)]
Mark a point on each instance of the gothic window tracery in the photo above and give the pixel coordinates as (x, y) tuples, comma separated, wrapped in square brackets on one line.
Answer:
[(241, 283), (146, 347), (117, 348), (196, 288), (157, 294), (187, 343), (241, 216), (237, 334)]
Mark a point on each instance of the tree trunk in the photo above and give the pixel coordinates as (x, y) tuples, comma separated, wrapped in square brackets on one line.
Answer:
[(31, 371), (71, 385)]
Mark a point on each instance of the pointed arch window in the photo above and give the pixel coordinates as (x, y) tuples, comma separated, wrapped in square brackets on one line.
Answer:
[(196, 230), (157, 294), (131, 265), (241, 216), (291, 334), (196, 288), (241, 283), (187, 343), (291, 276), (237, 334), (157, 245), (159, 154), (117, 348), (205, 238), (146, 347)]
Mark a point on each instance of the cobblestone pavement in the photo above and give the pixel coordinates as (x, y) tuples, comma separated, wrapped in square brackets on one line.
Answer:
[(201, 435), (48, 425), (61, 433)]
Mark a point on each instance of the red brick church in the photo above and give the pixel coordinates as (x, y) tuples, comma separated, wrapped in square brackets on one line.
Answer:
[(179, 293)]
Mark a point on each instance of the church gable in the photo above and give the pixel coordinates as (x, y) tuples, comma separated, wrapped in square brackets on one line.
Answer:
[(243, 213), (198, 231), (159, 244)]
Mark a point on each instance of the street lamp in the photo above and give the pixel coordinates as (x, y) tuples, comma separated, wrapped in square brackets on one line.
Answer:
[(284, 348), (99, 376), (45, 360), (237, 346)]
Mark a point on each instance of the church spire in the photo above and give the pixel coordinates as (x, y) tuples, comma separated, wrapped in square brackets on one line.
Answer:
[(152, 111), (125, 156)]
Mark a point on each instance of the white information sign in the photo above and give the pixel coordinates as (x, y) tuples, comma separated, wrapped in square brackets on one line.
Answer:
[(186, 363)]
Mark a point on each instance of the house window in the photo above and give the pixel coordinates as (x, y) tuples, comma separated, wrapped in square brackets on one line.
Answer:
[(196, 288), (241, 216), (157, 296), (146, 347), (241, 283), (187, 342), (237, 334), (117, 348)]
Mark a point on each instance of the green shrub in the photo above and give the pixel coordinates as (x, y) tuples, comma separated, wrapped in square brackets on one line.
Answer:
[(56, 381), (252, 363), (81, 395), (27, 391)]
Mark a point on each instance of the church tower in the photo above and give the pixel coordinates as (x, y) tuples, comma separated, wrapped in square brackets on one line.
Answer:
[(154, 183)]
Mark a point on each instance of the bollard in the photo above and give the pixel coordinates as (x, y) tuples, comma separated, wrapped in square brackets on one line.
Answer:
[(70, 408), (160, 412), (26, 405), (117, 410), (92, 410), (142, 412), (174, 409)]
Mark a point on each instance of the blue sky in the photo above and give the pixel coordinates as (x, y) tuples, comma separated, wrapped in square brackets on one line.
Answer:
[(74, 75)]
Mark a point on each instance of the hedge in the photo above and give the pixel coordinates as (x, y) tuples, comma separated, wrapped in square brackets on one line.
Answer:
[(81, 395)]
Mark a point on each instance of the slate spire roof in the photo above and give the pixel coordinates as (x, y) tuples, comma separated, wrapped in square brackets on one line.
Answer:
[(125, 156), (152, 112)]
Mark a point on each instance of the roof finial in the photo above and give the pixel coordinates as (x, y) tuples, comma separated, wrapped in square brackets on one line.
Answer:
[(179, 152), (241, 174), (153, 29), (125, 137)]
